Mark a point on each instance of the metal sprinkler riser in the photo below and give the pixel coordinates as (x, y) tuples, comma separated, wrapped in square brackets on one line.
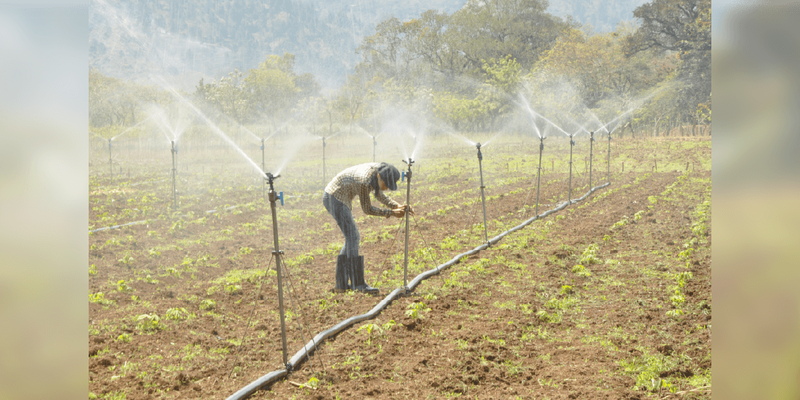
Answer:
[(483, 196), (278, 253), (407, 174), (539, 174)]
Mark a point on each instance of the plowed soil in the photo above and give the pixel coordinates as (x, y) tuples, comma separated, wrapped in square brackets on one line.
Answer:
[(191, 296)]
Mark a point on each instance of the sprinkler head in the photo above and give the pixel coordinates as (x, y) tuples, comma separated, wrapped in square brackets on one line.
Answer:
[(408, 162), (478, 145), (271, 178)]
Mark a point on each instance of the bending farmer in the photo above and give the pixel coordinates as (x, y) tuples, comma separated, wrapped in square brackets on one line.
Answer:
[(359, 181)]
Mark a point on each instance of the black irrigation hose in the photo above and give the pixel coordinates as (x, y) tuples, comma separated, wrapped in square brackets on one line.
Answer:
[(274, 376)]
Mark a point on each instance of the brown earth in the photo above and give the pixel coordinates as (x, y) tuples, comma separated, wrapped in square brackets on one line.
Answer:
[(514, 320)]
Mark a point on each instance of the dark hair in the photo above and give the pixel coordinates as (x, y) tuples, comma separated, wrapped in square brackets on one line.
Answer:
[(389, 174)]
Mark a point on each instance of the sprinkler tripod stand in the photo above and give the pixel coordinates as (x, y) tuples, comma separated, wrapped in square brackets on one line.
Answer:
[(591, 144), (174, 151), (273, 197), (571, 145), (539, 175), (407, 174), (483, 197)]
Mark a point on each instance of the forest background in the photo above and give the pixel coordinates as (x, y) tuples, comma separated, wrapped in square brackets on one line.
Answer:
[(464, 68)]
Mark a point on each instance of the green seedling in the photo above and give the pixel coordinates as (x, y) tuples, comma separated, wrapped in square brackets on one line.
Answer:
[(177, 314), (148, 323), (369, 328), (208, 304), (99, 298), (123, 287), (414, 309), (582, 271)]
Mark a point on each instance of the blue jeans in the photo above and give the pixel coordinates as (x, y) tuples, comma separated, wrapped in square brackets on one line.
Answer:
[(344, 218)]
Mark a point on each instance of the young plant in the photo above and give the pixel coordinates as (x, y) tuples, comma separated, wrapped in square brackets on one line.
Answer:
[(148, 323), (414, 309)]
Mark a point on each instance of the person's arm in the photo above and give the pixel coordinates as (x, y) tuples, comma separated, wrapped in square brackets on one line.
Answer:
[(368, 208), (386, 200)]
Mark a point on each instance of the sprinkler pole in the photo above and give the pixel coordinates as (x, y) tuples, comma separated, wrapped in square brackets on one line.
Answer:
[(374, 143), (407, 174), (263, 168), (273, 197), (174, 189), (591, 143), (571, 145), (483, 197), (609, 157), (539, 176)]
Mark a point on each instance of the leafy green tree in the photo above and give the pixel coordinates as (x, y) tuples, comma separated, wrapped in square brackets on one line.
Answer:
[(114, 102), (381, 52), (682, 27), (502, 77), (271, 87), (486, 29), (597, 65), (229, 95)]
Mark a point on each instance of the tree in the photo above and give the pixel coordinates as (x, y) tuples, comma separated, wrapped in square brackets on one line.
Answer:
[(682, 27), (116, 102), (485, 29), (502, 77), (597, 65), (229, 95), (271, 86), (380, 52)]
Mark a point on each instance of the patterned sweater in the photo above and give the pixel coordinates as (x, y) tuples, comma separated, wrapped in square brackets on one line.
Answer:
[(354, 181)]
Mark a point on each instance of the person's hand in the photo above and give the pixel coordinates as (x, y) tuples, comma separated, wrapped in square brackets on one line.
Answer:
[(400, 212)]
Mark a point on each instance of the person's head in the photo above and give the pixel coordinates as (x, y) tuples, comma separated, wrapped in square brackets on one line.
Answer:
[(386, 177)]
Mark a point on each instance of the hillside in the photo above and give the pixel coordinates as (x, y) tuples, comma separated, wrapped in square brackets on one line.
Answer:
[(184, 41)]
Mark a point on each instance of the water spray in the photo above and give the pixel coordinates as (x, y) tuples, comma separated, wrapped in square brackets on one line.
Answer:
[(263, 168), (483, 197), (539, 175), (591, 143), (273, 198), (174, 150), (571, 145), (407, 174)]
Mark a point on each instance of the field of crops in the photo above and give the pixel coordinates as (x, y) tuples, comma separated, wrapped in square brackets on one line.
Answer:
[(609, 298)]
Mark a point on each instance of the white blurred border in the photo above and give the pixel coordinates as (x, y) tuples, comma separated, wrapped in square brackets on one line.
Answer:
[(43, 199), (756, 200)]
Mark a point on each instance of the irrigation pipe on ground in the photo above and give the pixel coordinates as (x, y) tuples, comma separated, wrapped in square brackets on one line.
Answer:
[(317, 340)]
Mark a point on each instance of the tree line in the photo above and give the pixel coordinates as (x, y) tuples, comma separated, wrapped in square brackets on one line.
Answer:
[(468, 69)]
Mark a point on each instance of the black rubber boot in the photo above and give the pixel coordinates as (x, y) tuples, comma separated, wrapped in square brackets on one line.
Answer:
[(361, 285), (341, 273)]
